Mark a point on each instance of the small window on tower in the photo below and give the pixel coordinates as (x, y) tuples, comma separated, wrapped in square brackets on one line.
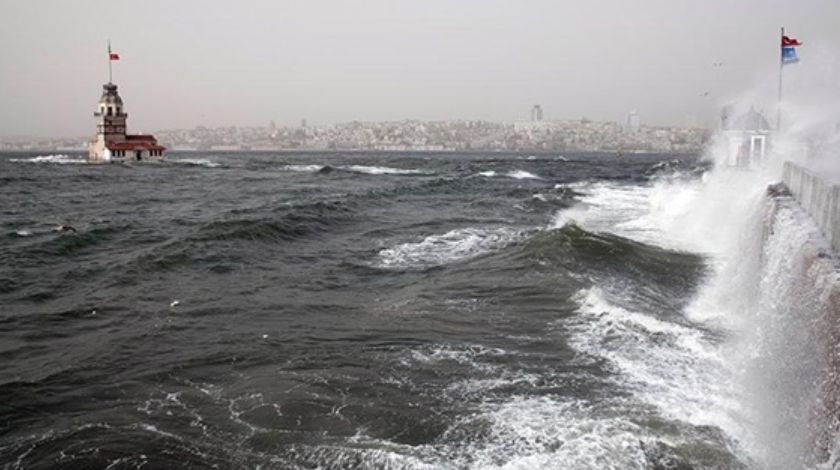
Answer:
[(110, 110)]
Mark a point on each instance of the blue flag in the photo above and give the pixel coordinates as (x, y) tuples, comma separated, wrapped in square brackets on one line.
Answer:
[(789, 55)]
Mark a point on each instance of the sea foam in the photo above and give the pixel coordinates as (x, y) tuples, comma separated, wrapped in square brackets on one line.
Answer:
[(449, 247)]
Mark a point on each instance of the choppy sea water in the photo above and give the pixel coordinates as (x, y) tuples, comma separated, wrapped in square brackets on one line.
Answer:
[(357, 311)]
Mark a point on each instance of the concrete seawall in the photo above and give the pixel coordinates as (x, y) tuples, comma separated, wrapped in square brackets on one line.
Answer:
[(798, 307), (819, 197)]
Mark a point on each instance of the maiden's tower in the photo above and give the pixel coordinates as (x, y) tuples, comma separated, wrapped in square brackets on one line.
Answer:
[(112, 143)]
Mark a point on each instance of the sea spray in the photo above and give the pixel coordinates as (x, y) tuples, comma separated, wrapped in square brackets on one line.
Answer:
[(787, 343), (770, 295)]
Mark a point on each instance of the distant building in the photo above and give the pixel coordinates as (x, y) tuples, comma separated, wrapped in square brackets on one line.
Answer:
[(748, 139), (536, 113), (632, 122), (112, 143)]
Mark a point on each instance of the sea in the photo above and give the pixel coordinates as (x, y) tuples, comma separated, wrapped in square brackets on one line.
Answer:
[(390, 311)]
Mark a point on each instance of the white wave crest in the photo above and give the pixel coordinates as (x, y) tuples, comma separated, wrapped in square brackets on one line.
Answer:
[(455, 245), (522, 175), (516, 174), (382, 170), (60, 159), (303, 168), (196, 162), (653, 213)]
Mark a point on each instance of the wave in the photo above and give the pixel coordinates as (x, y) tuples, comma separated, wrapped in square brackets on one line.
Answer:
[(678, 169), (522, 174), (195, 162), (515, 174), (295, 223), (540, 432), (383, 170), (303, 168), (596, 249), (452, 246), (663, 212), (362, 169), (253, 229), (527, 430), (522, 430), (58, 159), (678, 368), (68, 243)]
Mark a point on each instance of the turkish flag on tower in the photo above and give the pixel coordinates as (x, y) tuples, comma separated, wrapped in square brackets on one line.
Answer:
[(790, 42), (112, 55)]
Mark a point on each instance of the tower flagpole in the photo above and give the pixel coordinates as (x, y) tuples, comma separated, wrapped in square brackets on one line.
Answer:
[(781, 68), (110, 72)]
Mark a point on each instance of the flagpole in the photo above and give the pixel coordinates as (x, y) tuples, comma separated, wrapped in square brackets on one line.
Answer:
[(781, 68), (110, 72)]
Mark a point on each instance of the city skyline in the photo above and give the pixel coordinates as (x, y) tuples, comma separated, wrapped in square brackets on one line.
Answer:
[(535, 135), (216, 64)]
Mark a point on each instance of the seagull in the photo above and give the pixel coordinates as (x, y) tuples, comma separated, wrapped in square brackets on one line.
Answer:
[(64, 228)]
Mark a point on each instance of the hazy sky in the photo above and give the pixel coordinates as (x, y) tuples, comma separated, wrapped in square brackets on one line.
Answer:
[(214, 63)]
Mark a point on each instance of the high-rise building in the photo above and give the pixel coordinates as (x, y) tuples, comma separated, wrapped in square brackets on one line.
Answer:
[(536, 113), (632, 123)]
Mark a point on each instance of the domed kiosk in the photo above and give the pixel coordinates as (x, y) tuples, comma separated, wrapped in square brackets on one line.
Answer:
[(748, 138)]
